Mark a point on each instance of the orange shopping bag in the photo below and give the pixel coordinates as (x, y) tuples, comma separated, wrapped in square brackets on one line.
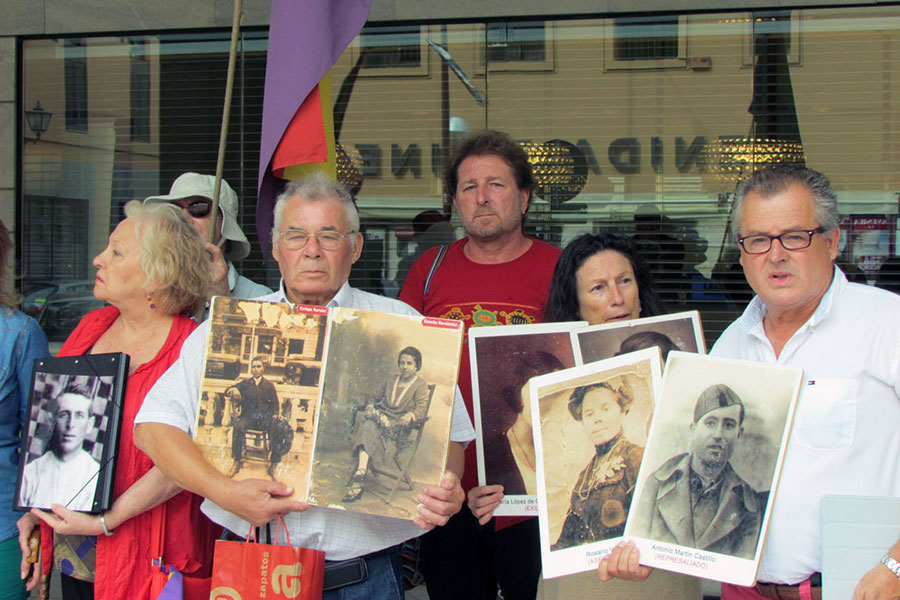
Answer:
[(245, 570)]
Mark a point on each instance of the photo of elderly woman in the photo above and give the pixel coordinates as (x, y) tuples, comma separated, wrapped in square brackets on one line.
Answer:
[(602, 494), (591, 426)]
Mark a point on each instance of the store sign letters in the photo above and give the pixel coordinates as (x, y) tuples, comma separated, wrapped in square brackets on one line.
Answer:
[(626, 156)]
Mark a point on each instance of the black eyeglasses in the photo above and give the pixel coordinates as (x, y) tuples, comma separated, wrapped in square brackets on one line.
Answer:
[(198, 208), (790, 240)]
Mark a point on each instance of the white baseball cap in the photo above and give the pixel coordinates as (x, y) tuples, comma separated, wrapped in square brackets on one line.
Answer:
[(195, 184)]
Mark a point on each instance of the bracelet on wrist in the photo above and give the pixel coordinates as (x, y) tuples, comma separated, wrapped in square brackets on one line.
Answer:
[(894, 566), (106, 530)]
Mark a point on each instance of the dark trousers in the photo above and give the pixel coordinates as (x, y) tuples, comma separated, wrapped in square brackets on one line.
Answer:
[(385, 580), (464, 560), (76, 589), (256, 422)]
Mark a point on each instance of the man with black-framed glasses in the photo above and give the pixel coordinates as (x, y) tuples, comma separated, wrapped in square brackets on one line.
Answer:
[(846, 338), (193, 193)]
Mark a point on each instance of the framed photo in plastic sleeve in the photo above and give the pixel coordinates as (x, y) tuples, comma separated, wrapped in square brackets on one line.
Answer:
[(71, 437)]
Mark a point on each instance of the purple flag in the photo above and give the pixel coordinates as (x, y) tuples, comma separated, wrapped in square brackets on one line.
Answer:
[(174, 588), (306, 37)]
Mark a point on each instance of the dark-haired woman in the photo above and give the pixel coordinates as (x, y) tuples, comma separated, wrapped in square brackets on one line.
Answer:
[(600, 278), (401, 401), (602, 495)]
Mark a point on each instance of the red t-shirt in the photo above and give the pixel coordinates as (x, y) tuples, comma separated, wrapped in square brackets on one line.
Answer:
[(480, 295)]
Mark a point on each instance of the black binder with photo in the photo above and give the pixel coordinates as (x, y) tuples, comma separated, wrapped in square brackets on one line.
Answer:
[(71, 435)]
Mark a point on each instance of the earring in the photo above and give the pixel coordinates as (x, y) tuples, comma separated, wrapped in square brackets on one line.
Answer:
[(150, 301)]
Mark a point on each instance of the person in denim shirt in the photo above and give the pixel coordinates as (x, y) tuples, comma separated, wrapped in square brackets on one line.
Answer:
[(21, 341)]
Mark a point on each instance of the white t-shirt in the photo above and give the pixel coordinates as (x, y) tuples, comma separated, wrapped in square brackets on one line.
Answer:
[(71, 483), (340, 534), (846, 434)]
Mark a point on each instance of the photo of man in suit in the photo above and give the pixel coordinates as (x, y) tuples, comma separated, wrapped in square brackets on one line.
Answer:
[(696, 499), (257, 408)]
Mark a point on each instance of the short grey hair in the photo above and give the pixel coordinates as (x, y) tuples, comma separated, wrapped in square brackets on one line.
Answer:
[(772, 180), (316, 186)]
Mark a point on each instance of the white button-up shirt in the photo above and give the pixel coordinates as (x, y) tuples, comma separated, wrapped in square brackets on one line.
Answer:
[(846, 433)]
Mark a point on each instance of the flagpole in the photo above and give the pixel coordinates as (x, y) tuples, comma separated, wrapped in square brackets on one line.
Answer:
[(223, 132), (226, 114)]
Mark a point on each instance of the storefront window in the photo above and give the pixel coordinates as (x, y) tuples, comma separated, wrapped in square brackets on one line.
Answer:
[(642, 126)]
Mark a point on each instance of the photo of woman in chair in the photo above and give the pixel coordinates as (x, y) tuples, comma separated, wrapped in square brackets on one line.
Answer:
[(397, 404)]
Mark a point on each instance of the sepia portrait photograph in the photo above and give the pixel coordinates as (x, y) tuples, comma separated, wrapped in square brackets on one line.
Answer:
[(71, 437), (679, 331), (387, 407), (503, 360), (592, 424), (260, 390), (711, 465)]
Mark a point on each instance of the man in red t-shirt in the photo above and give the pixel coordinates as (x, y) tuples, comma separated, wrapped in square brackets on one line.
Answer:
[(496, 275)]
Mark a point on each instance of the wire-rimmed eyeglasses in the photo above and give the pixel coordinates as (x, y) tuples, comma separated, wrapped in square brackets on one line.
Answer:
[(296, 239), (790, 240)]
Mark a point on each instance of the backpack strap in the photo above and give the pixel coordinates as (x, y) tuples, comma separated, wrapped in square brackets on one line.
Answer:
[(438, 258)]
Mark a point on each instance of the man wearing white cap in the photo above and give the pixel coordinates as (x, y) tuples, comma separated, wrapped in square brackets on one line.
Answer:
[(193, 192)]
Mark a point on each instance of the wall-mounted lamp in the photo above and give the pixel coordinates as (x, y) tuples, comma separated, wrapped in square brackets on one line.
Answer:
[(38, 120)]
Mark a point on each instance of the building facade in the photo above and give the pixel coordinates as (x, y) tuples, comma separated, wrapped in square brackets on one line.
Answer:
[(636, 120)]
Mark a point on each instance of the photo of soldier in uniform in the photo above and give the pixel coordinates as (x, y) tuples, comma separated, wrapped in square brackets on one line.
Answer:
[(711, 465), (696, 498)]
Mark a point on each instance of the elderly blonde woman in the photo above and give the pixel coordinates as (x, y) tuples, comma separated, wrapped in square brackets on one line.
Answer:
[(21, 341), (154, 274)]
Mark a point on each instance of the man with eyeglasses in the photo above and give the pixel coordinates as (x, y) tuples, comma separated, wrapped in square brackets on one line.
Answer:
[(315, 240), (846, 338), (193, 193)]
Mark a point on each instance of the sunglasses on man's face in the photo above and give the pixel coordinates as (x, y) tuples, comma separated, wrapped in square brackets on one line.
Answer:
[(198, 208)]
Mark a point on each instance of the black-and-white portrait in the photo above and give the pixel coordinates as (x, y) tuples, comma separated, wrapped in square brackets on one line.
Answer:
[(679, 332), (71, 435), (715, 446)]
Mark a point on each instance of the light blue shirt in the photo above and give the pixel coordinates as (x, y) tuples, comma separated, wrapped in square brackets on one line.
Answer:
[(21, 341)]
